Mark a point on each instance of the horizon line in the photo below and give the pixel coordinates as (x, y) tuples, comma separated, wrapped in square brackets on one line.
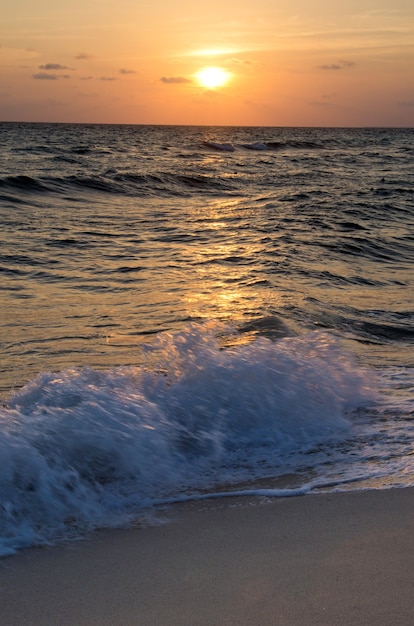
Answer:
[(316, 126)]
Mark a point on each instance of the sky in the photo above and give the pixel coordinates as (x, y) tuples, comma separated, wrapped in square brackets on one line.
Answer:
[(285, 62)]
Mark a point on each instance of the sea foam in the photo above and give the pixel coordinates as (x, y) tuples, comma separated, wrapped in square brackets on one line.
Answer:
[(82, 449)]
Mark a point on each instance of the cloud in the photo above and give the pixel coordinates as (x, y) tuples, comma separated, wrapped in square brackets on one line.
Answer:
[(341, 65), (44, 76), (54, 66), (333, 66), (175, 80), (257, 104), (125, 71), (108, 78), (10, 53), (242, 61), (85, 77), (214, 52), (83, 56), (326, 100), (406, 103)]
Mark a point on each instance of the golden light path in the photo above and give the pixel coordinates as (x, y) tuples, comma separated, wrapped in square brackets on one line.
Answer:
[(212, 77)]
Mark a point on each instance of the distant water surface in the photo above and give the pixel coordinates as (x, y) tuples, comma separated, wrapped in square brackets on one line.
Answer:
[(192, 309)]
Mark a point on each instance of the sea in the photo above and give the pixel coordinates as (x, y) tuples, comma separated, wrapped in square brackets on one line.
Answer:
[(190, 313)]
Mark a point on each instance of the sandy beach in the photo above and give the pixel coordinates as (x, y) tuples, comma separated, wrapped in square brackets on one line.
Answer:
[(318, 559)]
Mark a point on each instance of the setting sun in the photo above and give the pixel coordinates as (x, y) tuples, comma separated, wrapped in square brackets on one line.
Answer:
[(212, 77)]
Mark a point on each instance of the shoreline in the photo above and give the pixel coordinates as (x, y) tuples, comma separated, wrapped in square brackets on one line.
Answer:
[(317, 559)]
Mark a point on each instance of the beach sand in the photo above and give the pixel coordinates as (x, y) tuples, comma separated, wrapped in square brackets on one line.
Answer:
[(312, 560)]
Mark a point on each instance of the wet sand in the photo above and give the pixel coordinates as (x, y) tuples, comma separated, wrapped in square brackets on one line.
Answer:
[(344, 559)]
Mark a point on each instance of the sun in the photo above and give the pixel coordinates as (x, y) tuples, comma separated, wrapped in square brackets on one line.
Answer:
[(212, 77)]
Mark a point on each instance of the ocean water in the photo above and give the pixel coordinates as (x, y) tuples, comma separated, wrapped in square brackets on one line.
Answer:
[(189, 312)]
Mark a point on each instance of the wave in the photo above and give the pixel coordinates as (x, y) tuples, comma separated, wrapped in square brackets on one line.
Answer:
[(268, 145), (83, 448), (385, 251), (221, 147), (298, 145), (24, 183), (123, 183)]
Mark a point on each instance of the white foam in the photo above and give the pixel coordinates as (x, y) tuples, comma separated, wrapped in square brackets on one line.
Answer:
[(86, 448)]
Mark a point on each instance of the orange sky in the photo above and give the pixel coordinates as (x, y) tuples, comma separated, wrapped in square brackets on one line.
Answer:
[(290, 62)]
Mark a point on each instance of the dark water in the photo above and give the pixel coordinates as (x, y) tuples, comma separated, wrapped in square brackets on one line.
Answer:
[(184, 308)]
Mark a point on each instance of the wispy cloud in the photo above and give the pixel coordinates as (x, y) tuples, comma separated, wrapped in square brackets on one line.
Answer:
[(54, 66), (214, 52), (108, 78), (237, 61), (406, 103), (83, 56), (46, 76), (326, 100), (332, 66), (341, 65), (175, 80), (126, 71)]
